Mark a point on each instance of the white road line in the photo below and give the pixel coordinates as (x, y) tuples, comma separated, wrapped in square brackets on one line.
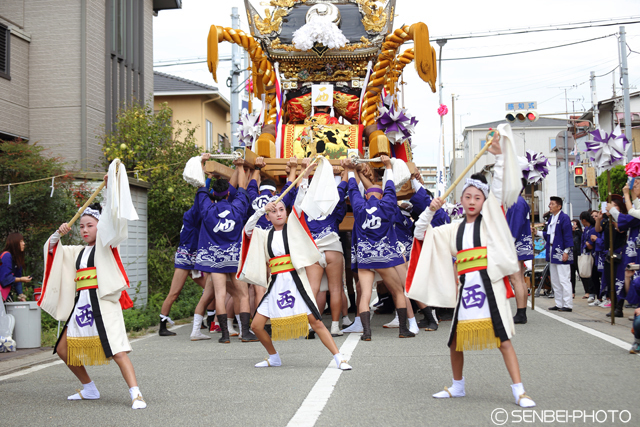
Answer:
[(30, 370), (312, 407), (57, 362), (601, 335)]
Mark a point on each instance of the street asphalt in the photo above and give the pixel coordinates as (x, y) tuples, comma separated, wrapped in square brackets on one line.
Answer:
[(567, 371)]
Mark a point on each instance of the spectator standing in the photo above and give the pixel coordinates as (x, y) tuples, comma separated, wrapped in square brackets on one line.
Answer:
[(11, 265), (559, 253)]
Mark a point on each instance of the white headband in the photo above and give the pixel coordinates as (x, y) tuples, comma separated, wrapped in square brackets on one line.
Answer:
[(267, 187), (478, 184), (92, 212)]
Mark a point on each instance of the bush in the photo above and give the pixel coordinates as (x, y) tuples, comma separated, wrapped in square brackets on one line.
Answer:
[(33, 212), (618, 180)]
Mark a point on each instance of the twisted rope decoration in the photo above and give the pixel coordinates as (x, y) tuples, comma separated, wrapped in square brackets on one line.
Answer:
[(264, 78), (388, 69)]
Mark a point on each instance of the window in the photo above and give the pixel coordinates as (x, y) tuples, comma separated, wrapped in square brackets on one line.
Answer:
[(5, 44), (209, 142), (552, 144), (482, 143)]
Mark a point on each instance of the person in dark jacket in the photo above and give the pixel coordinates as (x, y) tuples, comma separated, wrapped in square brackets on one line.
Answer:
[(11, 265), (576, 229)]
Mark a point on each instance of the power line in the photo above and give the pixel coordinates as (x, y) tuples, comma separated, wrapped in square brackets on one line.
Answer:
[(526, 51), (557, 27)]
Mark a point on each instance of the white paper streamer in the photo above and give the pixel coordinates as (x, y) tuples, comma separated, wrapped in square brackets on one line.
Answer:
[(52, 187), (9, 190)]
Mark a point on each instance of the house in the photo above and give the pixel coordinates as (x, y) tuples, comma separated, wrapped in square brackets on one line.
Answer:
[(198, 103), (66, 67), (539, 136)]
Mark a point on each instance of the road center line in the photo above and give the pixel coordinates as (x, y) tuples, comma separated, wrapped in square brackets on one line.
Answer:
[(601, 335), (310, 410)]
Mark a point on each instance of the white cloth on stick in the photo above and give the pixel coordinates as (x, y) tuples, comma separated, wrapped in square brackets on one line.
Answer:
[(322, 196), (512, 174), (193, 172), (118, 208)]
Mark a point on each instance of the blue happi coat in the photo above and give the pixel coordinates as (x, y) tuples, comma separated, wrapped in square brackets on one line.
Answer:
[(630, 254), (325, 225), (186, 253), (519, 220), (376, 244), (260, 200), (220, 235), (420, 201), (404, 230), (563, 240)]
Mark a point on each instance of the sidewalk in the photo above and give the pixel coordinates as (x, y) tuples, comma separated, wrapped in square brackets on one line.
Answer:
[(25, 358), (591, 317)]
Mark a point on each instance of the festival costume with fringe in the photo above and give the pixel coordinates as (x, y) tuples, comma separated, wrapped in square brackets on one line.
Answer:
[(86, 286), (289, 298), (486, 256)]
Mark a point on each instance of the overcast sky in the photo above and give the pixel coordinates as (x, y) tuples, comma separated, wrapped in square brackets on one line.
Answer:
[(483, 86)]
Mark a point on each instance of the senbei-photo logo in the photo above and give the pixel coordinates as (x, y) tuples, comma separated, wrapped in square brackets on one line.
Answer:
[(501, 416)]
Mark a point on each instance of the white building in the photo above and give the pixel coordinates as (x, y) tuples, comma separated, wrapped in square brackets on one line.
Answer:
[(538, 136)]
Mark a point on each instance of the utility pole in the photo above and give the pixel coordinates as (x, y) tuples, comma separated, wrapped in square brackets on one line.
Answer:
[(453, 141), (566, 155), (235, 72), (441, 42), (596, 123), (624, 71)]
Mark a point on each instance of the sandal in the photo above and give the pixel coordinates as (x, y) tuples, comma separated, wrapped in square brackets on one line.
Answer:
[(22, 298), (585, 296)]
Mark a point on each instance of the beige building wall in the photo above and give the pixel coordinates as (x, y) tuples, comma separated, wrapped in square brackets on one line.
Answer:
[(14, 93), (194, 109)]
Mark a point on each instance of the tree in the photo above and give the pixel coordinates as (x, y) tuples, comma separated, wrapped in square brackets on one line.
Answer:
[(148, 144), (33, 211), (618, 180)]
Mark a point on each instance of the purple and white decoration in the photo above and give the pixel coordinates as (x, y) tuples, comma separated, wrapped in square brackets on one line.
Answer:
[(249, 128), (398, 125), (607, 150), (535, 166)]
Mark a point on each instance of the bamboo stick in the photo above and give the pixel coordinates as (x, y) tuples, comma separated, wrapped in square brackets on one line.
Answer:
[(91, 199), (297, 180)]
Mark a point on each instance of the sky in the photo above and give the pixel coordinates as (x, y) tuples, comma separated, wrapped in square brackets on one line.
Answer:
[(482, 86)]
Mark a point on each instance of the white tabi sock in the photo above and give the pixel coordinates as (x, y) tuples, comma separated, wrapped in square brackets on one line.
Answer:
[(355, 327), (521, 397), (341, 362), (136, 399), (272, 360), (456, 390), (197, 321), (413, 325), (88, 392), (232, 332), (346, 321)]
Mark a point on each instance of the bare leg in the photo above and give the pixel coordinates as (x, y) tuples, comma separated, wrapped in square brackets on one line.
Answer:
[(207, 296), (230, 307), (402, 272), (324, 334), (517, 279), (314, 274), (126, 368), (260, 291), (257, 326), (79, 371), (241, 294), (511, 360), (177, 283), (457, 360), (395, 285), (321, 300), (335, 266), (219, 284), (252, 298), (366, 287), (345, 304)]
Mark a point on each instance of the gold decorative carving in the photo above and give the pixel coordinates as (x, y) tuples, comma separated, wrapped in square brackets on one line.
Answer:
[(374, 19), (285, 3), (314, 71), (270, 23)]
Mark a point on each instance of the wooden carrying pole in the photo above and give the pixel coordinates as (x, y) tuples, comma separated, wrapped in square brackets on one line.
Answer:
[(297, 180), (494, 134), (91, 199), (612, 267), (532, 285)]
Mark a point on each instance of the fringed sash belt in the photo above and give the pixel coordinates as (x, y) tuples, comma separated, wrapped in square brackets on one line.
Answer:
[(86, 278), (281, 264), (473, 259)]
